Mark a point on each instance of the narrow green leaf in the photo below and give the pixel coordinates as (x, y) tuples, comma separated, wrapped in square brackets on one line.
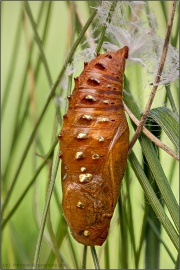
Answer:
[(95, 258), (73, 251), (84, 257), (168, 121), (51, 94), (171, 99), (49, 194), (142, 236), (152, 198), (60, 235), (16, 132), (31, 182), (12, 64), (107, 257), (123, 241), (154, 163), (160, 179), (38, 42), (155, 229)]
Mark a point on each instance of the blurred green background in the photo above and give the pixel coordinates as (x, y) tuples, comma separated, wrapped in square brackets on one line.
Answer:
[(24, 91)]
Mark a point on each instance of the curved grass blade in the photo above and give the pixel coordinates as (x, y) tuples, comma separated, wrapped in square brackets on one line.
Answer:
[(152, 198), (39, 42), (154, 228), (168, 121), (16, 131), (16, 205), (12, 64), (160, 179), (49, 194), (154, 163)]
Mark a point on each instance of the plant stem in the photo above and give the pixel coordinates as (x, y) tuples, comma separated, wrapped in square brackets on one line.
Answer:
[(50, 190), (84, 257), (150, 135), (38, 41), (95, 258)]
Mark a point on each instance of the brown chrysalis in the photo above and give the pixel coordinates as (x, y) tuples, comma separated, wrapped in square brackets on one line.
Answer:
[(94, 142)]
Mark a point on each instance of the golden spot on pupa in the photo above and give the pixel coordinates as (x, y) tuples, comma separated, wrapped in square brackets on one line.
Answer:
[(81, 136), (85, 177), (89, 97), (101, 139), (86, 233), (95, 156), (87, 117), (83, 169), (79, 155), (80, 205)]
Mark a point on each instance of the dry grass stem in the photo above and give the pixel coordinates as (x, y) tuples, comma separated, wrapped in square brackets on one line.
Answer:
[(150, 135), (158, 76)]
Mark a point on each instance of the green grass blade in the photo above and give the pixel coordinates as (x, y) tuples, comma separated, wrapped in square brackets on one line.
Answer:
[(16, 243), (171, 100), (168, 121), (107, 257), (154, 164), (53, 239), (142, 235), (51, 94), (84, 257), (156, 231), (16, 205), (123, 260), (152, 198), (163, 6), (12, 64), (177, 266), (38, 41), (130, 222), (160, 179), (152, 243), (60, 235), (95, 258), (15, 132), (49, 194), (73, 251)]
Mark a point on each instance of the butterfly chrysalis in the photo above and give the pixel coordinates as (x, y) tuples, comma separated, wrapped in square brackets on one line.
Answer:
[(94, 146)]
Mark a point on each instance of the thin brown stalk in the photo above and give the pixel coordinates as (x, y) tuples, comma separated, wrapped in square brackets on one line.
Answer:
[(158, 76), (151, 136)]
